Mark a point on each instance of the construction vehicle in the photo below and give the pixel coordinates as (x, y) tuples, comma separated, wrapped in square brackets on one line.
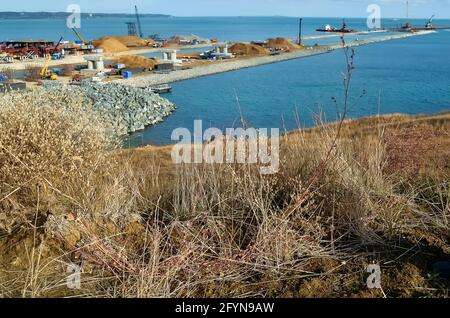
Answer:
[(54, 54), (86, 46), (80, 37), (47, 74)]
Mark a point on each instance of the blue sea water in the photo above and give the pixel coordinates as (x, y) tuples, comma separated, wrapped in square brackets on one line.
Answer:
[(400, 76)]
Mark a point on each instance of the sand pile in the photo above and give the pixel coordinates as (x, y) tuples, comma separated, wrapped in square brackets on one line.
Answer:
[(116, 44), (175, 40), (282, 44), (136, 61), (247, 49), (110, 45), (133, 41)]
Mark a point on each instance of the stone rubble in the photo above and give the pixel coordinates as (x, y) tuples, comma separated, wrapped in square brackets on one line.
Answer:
[(127, 109)]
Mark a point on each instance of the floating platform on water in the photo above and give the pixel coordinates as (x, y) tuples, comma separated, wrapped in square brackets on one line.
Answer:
[(161, 89)]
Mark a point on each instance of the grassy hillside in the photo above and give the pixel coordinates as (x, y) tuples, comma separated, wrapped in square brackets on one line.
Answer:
[(139, 226)]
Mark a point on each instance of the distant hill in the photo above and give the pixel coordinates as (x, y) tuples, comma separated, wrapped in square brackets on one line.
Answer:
[(63, 15)]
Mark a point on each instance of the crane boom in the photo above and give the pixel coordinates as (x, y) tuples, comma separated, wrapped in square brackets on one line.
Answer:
[(138, 22), (44, 70), (79, 36)]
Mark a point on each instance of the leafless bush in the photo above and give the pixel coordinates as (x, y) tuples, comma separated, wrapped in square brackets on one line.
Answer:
[(46, 141), (67, 69), (9, 73), (33, 73)]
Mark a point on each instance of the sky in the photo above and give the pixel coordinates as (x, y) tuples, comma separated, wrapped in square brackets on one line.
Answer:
[(304, 8)]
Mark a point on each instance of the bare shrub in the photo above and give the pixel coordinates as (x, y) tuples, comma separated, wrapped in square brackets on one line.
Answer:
[(33, 73), (47, 141), (9, 73), (67, 69)]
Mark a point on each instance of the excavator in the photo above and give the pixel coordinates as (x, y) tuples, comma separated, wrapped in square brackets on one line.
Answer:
[(45, 72)]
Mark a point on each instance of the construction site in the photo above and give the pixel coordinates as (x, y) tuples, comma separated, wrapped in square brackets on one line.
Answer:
[(157, 60), (332, 180)]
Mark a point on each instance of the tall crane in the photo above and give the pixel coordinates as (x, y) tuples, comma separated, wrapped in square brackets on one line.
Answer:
[(79, 36), (138, 22), (429, 24)]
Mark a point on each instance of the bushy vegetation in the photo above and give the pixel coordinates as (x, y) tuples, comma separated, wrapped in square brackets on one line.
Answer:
[(141, 227), (349, 194)]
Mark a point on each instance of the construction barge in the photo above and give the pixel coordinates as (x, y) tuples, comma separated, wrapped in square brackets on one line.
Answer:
[(160, 89)]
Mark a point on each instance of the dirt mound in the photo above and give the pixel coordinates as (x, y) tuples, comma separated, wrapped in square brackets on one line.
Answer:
[(111, 45), (116, 44), (282, 43), (133, 41), (137, 61), (248, 49)]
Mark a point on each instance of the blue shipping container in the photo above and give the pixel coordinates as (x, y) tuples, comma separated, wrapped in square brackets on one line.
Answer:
[(127, 74)]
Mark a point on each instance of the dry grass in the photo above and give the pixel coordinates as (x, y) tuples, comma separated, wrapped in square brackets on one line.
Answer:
[(347, 194), (48, 142), (33, 73), (141, 227)]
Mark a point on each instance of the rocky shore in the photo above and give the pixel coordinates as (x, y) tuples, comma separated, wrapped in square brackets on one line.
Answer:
[(127, 109)]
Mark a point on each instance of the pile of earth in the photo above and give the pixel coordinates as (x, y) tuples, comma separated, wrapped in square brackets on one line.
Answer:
[(110, 45), (137, 61), (116, 44), (282, 44), (248, 49)]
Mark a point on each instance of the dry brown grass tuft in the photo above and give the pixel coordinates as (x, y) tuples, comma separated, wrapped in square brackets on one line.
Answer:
[(142, 227), (47, 142)]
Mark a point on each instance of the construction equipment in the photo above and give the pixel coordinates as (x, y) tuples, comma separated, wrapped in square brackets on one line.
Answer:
[(80, 37), (131, 28), (55, 53), (138, 19), (300, 25), (330, 29), (46, 73), (429, 24), (29, 49)]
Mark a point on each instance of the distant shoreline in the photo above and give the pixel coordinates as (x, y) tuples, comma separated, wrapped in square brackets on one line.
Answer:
[(9, 15), (22, 15)]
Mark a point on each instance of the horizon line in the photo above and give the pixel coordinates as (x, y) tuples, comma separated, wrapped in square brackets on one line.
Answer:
[(233, 16)]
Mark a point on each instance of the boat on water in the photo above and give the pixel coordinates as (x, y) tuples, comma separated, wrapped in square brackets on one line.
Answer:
[(408, 27), (160, 89), (330, 29)]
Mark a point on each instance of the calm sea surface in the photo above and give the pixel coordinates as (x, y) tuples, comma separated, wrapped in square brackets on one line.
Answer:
[(409, 75)]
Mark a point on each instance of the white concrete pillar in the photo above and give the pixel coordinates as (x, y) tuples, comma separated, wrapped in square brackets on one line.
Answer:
[(173, 56), (100, 65)]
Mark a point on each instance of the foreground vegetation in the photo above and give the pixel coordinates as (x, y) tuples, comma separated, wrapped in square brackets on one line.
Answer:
[(141, 227)]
